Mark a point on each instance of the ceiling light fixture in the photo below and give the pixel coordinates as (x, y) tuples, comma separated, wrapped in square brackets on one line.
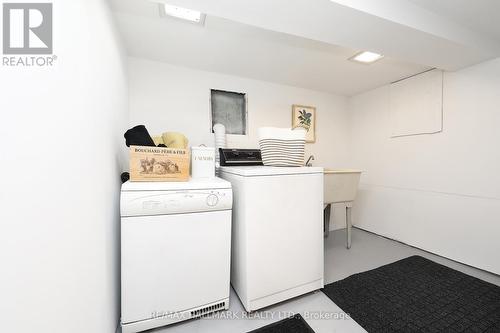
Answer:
[(366, 57), (182, 13)]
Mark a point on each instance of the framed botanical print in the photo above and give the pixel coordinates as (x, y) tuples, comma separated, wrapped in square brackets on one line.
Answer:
[(305, 116)]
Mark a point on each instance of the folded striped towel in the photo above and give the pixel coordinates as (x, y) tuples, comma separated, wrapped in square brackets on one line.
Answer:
[(282, 146)]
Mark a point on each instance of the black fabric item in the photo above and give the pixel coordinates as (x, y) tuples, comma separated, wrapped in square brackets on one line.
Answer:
[(162, 145), (295, 324), (418, 295), (125, 176), (138, 136)]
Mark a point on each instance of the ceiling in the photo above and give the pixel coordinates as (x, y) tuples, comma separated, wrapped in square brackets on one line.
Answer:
[(482, 16), (297, 43)]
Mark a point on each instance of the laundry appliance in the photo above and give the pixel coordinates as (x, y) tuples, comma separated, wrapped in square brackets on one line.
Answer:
[(175, 251), (277, 232)]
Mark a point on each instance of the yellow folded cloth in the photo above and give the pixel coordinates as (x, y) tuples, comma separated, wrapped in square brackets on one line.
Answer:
[(158, 139), (175, 140)]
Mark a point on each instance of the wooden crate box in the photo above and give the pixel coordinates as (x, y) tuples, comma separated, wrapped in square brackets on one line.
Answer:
[(158, 164)]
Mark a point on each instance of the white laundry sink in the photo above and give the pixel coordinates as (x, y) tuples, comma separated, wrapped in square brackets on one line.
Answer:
[(341, 185)]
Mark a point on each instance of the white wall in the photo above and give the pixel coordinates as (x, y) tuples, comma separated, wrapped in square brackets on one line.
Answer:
[(60, 164), (438, 192), (169, 98)]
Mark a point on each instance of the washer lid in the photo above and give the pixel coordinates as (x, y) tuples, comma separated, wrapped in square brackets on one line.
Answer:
[(192, 184), (252, 171)]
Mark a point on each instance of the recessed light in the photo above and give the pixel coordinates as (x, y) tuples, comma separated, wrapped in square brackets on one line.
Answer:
[(366, 57), (182, 13)]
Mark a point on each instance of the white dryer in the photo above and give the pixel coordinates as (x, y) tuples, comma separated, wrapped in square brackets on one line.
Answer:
[(175, 251), (277, 235)]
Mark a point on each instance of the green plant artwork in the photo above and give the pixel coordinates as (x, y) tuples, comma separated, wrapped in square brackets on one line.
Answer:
[(305, 119)]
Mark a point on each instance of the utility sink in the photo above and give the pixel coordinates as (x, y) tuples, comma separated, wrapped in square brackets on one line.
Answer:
[(340, 186)]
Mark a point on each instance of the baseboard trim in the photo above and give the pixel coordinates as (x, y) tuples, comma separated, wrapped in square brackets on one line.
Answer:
[(426, 251)]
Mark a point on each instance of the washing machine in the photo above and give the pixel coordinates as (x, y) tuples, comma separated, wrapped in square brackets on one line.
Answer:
[(175, 251), (277, 233)]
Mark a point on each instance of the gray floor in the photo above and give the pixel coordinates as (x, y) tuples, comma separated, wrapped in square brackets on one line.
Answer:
[(368, 251)]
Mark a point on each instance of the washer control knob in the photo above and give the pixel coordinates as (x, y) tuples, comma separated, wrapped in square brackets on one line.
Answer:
[(212, 200)]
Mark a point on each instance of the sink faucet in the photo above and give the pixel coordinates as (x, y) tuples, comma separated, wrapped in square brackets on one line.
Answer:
[(308, 163)]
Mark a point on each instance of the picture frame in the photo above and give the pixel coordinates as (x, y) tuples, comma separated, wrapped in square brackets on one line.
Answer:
[(305, 116)]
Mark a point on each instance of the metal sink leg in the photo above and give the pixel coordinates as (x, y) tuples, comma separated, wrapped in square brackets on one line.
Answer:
[(326, 220), (348, 221)]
